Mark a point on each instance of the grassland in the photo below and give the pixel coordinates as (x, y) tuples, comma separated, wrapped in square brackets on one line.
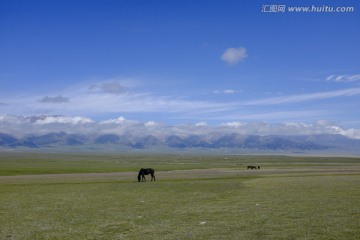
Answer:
[(96, 196)]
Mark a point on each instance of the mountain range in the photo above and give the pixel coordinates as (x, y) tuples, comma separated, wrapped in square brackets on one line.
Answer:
[(301, 143)]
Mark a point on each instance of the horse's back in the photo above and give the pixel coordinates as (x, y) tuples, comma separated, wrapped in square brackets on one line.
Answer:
[(147, 171)]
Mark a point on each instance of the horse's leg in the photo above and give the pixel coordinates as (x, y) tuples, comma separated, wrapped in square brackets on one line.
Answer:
[(152, 177)]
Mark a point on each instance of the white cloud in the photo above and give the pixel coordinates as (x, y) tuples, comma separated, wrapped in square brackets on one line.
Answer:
[(152, 124), (233, 55), (344, 78), (201, 124), (119, 121), (233, 124), (42, 124), (330, 77), (21, 126), (227, 91), (63, 120), (292, 128)]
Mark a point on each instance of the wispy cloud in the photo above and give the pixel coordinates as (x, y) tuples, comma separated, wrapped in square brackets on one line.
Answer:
[(273, 115), (233, 55), (305, 97), (344, 78), (115, 98), (226, 91), (109, 87)]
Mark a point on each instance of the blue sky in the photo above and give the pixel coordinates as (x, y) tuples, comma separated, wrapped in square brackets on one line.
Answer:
[(181, 62)]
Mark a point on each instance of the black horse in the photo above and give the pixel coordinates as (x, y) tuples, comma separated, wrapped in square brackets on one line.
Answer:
[(253, 167), (146, 171)]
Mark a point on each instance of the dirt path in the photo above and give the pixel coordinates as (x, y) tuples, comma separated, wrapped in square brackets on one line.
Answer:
[(170, 175)]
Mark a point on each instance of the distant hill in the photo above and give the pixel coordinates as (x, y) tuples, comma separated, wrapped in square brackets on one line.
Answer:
[(7, 140)]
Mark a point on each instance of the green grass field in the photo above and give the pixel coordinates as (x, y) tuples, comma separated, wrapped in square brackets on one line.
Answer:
[(97, 196)]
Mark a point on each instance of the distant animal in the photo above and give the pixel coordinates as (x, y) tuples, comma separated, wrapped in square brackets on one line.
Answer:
[(146, 171), (253, 167)]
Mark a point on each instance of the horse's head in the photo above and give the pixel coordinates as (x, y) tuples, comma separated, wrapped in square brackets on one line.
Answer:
[(139, 178)]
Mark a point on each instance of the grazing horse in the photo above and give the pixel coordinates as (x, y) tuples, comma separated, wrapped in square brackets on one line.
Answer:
[(253, 167), (146, 171)]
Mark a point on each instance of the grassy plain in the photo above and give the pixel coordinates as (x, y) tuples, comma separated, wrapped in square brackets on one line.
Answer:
[(96, 196)]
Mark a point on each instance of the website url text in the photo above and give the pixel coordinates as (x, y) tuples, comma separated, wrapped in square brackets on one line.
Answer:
[(307, 9)]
